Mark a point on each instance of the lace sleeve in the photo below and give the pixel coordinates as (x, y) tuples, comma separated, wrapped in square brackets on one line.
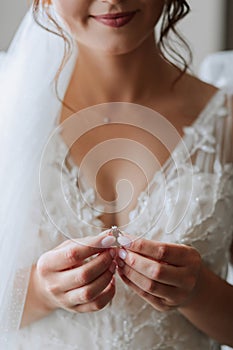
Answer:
[(217, 69)]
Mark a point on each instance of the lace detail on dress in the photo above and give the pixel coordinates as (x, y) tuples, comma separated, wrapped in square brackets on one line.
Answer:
[(202, 142), (131, 323)]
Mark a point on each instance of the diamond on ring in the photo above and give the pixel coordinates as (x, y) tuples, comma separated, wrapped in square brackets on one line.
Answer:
[(121, 240)]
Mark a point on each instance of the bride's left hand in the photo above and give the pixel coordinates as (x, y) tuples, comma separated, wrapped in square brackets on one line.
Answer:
[(165, 275)]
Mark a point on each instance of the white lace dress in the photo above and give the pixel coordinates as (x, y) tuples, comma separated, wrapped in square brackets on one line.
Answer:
[(131, 323)]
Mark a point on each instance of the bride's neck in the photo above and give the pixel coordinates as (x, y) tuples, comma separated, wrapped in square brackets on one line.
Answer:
[(133, 77)]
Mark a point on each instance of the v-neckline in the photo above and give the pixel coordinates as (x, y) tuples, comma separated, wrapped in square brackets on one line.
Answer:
[(163, 167)]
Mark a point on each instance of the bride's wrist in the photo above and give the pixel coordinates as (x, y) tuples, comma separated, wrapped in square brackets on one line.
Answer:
[(44, 304), (36, 304)]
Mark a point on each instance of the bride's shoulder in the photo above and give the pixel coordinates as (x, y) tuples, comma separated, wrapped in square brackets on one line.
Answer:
[(196, 93), (205, 94)]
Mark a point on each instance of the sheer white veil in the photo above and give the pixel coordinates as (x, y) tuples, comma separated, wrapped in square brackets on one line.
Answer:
[(29, 109)]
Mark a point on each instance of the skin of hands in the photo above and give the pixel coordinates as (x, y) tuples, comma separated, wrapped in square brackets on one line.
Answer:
[(80, 278), (64, 278), (165, 275), (169, 276)]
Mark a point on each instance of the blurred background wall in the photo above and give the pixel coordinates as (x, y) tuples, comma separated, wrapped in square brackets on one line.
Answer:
[(11, 13), (205, 28)]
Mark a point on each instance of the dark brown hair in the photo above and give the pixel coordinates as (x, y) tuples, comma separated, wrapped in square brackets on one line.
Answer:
[(174, 11), (40, 11)]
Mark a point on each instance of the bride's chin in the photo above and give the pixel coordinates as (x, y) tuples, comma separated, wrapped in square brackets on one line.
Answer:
[(109, 47), (108, 51), (107, 43)]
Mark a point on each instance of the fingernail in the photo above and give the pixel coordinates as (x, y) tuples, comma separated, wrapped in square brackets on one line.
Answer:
[(103, 233), (112, 252), (121, 263), (122, 254), (112, 268), (108, 241), (124, 241), (113, 281)]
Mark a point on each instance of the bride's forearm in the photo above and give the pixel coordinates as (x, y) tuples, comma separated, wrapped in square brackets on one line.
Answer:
[(35, 307), (211, 310)]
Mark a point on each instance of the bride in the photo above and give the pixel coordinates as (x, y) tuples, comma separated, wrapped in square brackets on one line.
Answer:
[(145, 273)]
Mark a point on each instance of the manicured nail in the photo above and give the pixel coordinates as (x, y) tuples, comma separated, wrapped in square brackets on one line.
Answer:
[(108, 241), (112, 268), (122, 254), (112, 252), (124, 241)]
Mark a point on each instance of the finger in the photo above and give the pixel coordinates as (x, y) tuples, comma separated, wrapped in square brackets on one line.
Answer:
[(85, 274), (156, 302), (100, 302), (72, 252), (91, 291), (175, 254), (157, 289), (163, 273)]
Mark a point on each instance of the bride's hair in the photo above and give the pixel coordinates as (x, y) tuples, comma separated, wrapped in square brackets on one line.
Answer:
[(173, 12)]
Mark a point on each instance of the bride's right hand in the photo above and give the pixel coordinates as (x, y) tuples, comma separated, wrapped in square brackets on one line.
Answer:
[(62, 278), (67, 281)]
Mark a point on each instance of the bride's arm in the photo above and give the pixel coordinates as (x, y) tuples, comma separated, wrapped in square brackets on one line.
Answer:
[(211, 309), (61, 279), (35, 307)]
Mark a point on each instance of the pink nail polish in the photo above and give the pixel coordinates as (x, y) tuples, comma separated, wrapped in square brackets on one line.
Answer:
[(124, 241), (108, 241), (112, 268), (112, 252), (122, 254)]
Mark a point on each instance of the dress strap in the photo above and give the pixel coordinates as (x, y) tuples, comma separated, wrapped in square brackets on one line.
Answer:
[(224, 131), (212, 148)]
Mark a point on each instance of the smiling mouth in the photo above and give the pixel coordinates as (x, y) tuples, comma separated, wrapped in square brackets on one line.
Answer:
[(115, 20)]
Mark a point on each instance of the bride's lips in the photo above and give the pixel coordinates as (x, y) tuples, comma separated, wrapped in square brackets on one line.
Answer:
[(115, 20)]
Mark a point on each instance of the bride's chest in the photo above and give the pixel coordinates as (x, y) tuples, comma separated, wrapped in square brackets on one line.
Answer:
[(118, 161), (114, 168)]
